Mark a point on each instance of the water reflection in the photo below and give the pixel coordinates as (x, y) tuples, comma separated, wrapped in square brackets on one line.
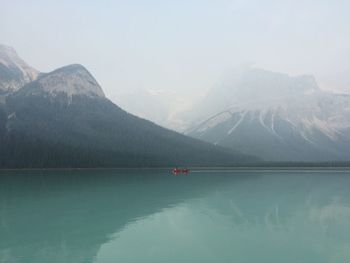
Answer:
[(152, 216)]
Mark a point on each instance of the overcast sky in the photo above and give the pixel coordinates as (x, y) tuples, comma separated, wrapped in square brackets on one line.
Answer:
[(181, 46)]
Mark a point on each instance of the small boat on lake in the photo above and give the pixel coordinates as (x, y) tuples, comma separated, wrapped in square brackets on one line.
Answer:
[(177, 171)]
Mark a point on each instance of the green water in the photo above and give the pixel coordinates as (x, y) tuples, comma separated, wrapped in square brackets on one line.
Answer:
[(151, 216)]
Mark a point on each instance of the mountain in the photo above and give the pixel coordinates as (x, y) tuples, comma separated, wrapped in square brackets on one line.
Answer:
[(63, 119), (14, 72), (275, 117)]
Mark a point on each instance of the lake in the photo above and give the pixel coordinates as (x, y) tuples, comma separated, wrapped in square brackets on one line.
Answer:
[(105, 216)]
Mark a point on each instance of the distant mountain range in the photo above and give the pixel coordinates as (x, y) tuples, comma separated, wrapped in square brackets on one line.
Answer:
[(275, 117), (63, 119)]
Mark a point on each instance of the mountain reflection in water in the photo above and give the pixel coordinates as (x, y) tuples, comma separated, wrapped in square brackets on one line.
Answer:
[(152, 216)]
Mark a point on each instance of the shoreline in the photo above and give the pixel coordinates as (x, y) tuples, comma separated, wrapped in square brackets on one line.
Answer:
[(193, 168)]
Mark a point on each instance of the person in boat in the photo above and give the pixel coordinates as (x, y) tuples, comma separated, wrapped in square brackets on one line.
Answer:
[(178, 170)]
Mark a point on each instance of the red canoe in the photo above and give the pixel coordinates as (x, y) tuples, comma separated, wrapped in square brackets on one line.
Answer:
[(180, 171)]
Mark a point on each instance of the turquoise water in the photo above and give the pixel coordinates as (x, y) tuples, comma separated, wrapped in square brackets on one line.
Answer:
[(104, 216)]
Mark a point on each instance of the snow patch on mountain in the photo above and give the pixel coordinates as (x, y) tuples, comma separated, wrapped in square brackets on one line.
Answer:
[(242, 115), (215, 120)]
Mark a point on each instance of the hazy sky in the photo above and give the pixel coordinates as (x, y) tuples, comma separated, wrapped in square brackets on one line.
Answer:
[(181, 46)]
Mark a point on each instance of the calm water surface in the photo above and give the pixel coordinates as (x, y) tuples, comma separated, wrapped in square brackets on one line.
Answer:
[(106, 216)]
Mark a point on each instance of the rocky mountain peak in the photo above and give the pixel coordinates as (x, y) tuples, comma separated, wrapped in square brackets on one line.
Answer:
[(14, 72), (276, 117), (73, 79)]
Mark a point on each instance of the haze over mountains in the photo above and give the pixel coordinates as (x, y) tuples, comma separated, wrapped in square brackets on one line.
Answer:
[(276, 117), (63, 119)]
